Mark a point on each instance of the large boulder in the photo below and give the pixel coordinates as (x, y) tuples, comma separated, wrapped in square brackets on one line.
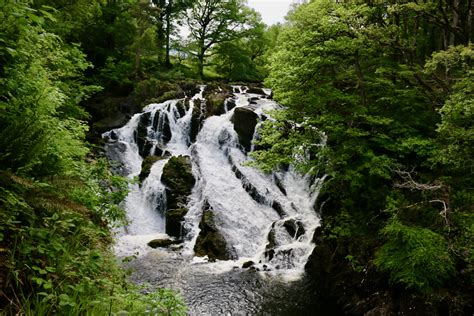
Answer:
[(179, 180), (147, 163), (215, 103), (210, 241), (245, 120)]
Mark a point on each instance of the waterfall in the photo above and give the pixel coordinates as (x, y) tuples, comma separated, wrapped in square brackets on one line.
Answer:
[(268, 219)]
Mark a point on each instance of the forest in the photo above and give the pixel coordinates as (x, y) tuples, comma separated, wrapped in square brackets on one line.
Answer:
[(376, 96)]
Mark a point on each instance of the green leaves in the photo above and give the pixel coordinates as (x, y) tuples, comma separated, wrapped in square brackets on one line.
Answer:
[(415, 257)]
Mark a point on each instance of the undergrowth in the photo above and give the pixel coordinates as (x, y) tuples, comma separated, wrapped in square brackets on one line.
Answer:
[(55, 256)]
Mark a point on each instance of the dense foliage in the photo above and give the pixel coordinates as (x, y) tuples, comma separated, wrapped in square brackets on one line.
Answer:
[(380, 98), (57, 200)]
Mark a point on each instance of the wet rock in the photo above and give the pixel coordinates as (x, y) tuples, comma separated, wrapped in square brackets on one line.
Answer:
[(174, 222), (158, 151), (190, 88), (196, 120), (279, 209), (270, 247), (156, 120), (231, 103), (141, 134), (256, 90), (210, 241), (216, 87), (248, 186), (114, 152), (147, 163), (179, 180), (253, 100), (247, 264), (182, 106), (279, 184), (215, 103), (166, 132), (162, 243), (294, 228), (245, 120)]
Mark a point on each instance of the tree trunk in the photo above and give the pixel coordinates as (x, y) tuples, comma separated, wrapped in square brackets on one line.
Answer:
[(201, 65), (452, 37), (168, 31), (136, 70)]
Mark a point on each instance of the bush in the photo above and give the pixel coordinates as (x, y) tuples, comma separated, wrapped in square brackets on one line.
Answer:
[(415, 257)]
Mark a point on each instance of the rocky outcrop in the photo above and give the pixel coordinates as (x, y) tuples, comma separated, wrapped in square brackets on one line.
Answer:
[(210, 241), (147, 163), (179, 180), (245, 120), (196, 120), (294, 227), (215, 103)]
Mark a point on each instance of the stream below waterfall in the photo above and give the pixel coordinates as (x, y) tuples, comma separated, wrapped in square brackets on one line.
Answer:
[(262, 222)]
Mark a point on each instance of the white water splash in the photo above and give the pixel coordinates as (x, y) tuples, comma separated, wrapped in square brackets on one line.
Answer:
[(248, 206)]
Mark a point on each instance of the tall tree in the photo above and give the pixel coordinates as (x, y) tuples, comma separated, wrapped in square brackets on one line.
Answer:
[(242, 59), (171, 10), (215, 21), (395, 105)]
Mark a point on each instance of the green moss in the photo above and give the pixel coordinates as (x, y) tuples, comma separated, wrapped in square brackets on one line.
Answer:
[(178, 177), (215, 103), (147, 163)]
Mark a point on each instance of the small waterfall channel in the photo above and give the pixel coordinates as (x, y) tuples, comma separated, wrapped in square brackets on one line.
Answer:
[(243, 237)]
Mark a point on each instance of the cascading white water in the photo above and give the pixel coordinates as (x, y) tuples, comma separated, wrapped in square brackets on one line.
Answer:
[(268, 219)]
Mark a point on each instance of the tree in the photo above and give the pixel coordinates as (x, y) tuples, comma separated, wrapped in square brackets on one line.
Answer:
[(170, 11), (212, 22), (242, 59), (376, 101)]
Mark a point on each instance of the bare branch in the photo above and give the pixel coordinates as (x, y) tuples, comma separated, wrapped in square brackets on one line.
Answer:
[(409, 183)]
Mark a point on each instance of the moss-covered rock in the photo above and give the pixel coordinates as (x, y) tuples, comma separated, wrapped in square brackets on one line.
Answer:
[(189, 87), (215, 103), (245, 120), (147, 163), (179, 179), (210, 241), (168, 95), (174, 222), (153, 90)]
